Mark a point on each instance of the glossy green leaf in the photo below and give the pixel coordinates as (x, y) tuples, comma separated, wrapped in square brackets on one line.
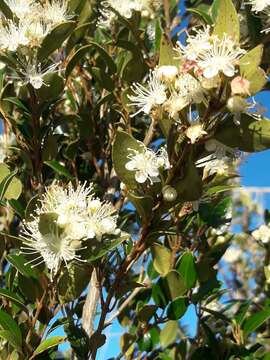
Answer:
[(167, 54), (177, 308), (10, 337), (250, 135), (14, 298), (227, 20), (174, 285), (143, 205), (18, 261), (49, 343), (18, 103), (58, 168), (54, 40), (7, 323), (162, 259), (255, 321), (54, 85), (168, 334), (187, 269), (10, 186)]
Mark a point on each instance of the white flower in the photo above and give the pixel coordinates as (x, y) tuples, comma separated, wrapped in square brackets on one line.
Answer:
[(6, 140), (12, 36), (232, 255), (195, 44), (34, 75), (147, 98), (35, 31), (101, 219), (194, 132), (262, 234), (167, 73), (52, 249), (56, 12), (78, 217), (146, 164), (20, 8), (213, 166), (258, 5), (126, 8), (222, 56)]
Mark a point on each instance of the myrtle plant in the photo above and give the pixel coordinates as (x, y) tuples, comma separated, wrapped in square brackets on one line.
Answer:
[(123, 125)]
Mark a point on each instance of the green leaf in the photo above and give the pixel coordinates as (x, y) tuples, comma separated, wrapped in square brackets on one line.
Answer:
[(177, 308), (18, 103), (255, 321), (167, 54), (241, 313), (187, 269), (6, 10), (100, 248), (49, 343), (121, 150), (162, 259), (147, 312), (250, 135), (251, 61), (14, 298), (202, 15), (73, 281), (53, 88), (168, 334), (143, 205), (59, 169), (227, 21), (18, 261), (80, 53), (250, 70), (102, 78), (7, 323), (10, 186), (11, 338), (54, 40), (174, 285)]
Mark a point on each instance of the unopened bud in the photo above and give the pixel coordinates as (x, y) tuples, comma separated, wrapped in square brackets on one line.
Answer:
[(240, 86), (167, 73), (169, 193), (236, 104)]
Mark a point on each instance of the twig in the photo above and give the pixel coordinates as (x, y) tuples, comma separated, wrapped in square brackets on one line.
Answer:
[(90, 306)]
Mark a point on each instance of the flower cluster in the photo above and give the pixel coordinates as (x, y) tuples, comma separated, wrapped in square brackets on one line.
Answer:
[(262, 234), (77, 216), (147, 164), (126, 8), (32, 22)]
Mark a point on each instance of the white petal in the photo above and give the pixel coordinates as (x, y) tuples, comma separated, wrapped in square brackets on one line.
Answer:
[(140, 177)]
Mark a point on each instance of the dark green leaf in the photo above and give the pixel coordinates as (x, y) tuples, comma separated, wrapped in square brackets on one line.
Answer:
[(255, 321), (59, 169), (49, 343), (177, 308), (7, 323), (54, 40), (186, 268), (14, 298)]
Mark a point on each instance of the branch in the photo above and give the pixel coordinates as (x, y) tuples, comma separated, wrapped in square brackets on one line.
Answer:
[(90, 306)]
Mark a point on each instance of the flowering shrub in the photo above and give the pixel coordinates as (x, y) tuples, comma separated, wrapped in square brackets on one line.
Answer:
[(118, 159)]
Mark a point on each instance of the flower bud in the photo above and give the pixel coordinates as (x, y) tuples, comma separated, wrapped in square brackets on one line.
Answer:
[(240, 86), (169, 193), (194, 132), (167, 73), (236, 104)]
